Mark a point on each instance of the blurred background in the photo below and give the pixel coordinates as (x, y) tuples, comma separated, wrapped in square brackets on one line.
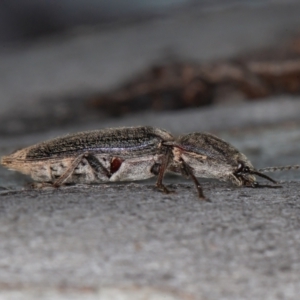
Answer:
[(26, 20), (227, 67), (78, 62)]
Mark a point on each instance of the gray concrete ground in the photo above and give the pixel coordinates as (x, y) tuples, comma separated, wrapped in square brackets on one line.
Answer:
[(128, 241), (243, 245)]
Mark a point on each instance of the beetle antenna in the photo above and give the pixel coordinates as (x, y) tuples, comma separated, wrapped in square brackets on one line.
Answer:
[(263, 176), (279, 168)]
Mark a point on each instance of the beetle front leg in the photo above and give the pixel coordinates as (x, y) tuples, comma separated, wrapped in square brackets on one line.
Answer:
[(187, 170)]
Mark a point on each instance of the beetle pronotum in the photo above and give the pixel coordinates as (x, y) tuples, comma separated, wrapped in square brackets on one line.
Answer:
[(133, 153), (205, 155)]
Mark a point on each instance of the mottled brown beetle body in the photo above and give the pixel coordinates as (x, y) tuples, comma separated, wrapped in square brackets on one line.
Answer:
[(133, 153), (113, 154), (207, 156)]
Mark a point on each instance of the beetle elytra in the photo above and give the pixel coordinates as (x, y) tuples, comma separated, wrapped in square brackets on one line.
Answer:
[(113, 154)]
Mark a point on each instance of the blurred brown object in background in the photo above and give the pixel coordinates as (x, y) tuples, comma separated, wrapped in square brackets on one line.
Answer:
[(181, 85), (163, 87)]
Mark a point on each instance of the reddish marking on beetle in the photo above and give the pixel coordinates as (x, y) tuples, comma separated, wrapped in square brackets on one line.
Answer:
[(115, 164)]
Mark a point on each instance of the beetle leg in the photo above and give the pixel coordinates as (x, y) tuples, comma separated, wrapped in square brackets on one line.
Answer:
[(38, 185), (186, 169), (96, 165), (162, 170), (69, 171)]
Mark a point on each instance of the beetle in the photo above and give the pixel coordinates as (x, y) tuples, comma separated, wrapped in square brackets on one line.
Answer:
[(205, 155), (133, 153), (112, 154)]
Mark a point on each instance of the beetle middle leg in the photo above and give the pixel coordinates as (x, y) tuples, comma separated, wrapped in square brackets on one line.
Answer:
[(161, 173)]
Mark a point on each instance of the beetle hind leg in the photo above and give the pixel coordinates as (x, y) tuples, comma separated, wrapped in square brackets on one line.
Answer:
[(93, 162), (69, 171), (96, 165)]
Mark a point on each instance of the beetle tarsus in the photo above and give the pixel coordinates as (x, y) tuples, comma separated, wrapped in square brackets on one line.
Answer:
[(39, 185), (164, 189)]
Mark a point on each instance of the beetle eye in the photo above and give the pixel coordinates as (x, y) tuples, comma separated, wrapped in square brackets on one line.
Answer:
[(246, 169), (242, 168)]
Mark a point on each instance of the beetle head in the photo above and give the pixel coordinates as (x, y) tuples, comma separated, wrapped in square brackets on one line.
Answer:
[(245, 174)]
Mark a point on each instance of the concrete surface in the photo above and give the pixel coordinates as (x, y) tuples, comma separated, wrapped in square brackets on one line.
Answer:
[(128, 241), (243, 245)]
